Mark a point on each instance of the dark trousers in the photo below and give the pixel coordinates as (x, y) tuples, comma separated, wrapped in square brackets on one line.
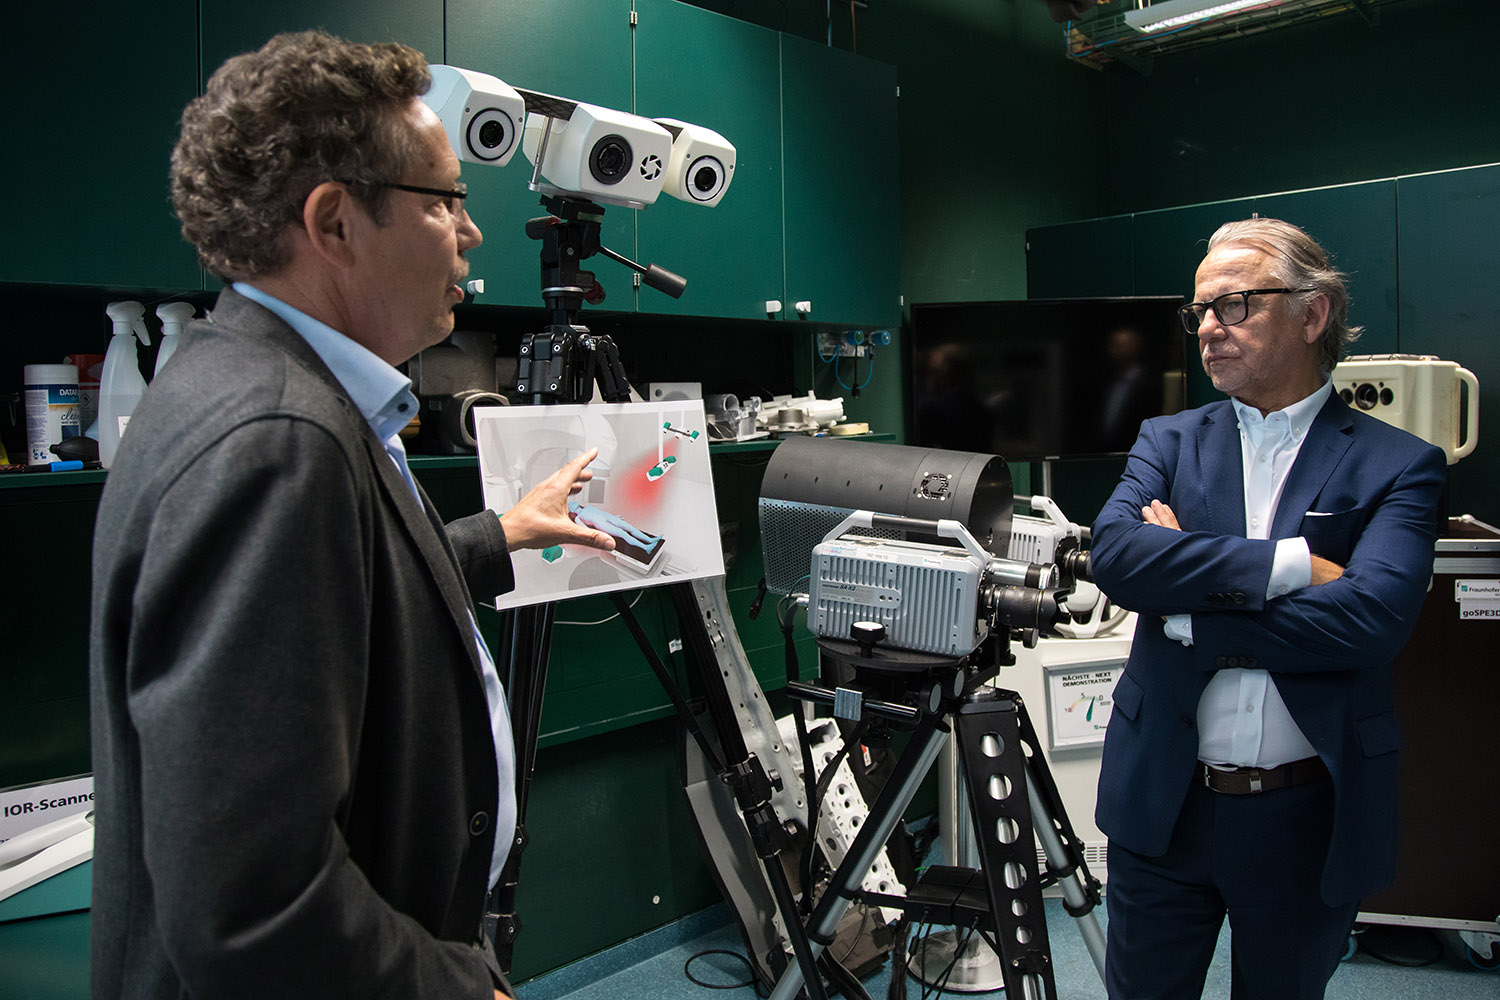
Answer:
[(1257, 858)]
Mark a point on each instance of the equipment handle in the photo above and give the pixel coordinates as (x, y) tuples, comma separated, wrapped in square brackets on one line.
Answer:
[(1471, 426), (945, 528)]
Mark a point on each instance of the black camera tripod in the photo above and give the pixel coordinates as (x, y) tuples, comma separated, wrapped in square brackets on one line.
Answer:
[(1010, 793), (561, 364)]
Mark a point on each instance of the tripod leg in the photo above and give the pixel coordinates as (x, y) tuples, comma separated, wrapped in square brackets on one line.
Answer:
[(747, 778), (913, 766), (1073, 893), (963, 961), (994, 759), (527, 643), (1058, 841)]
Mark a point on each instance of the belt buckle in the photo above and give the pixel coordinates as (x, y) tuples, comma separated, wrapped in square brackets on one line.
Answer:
[(1255, 781)]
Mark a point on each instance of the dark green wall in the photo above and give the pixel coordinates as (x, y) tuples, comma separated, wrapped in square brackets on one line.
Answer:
[(1323, 103), (999, 131)]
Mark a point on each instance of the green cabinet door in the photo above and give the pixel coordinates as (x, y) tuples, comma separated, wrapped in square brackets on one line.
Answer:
[(839, 155), (578, 49), (98, 89), (724, 74)]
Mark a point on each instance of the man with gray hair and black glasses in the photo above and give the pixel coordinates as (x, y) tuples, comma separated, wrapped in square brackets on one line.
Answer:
[(1277, 546), (301, 747)]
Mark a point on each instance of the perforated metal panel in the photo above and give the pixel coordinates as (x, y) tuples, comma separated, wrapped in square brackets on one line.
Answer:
[(789, 532)]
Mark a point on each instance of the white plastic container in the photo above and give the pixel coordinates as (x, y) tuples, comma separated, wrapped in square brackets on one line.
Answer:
[(51, 409), (173, 316), (1419, 393), (121, 386)]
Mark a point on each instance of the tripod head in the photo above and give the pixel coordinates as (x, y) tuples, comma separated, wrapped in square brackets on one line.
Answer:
[(561, 364)]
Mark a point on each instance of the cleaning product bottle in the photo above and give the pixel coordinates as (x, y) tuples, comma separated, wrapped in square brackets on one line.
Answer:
[(121, 385), (173, 316)]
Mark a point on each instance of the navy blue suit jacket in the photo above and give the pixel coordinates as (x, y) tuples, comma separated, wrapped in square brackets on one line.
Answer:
[(1364, 495)]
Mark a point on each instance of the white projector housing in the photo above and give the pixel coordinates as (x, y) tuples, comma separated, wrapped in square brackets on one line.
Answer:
[(608, 156), (702, 163), (482, 114)]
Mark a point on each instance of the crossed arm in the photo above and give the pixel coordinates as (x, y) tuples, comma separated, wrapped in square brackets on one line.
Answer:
[(1323, 570), (1356, 613)]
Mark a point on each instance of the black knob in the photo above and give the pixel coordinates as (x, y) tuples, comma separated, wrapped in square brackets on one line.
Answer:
[(867, 634)]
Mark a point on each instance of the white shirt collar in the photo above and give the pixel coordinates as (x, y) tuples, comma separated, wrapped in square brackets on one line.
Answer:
[(1299, 416)]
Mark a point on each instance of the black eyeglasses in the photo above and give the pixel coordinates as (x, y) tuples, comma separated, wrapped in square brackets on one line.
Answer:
[(453, 198), (1229, 308)]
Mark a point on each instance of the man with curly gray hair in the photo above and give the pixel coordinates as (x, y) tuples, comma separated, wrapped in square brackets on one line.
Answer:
[(301, 747), (1277, 547)]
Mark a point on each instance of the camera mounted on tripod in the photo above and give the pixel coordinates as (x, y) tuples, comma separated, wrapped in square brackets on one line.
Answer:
[(915, 587), (915, 540), (583, 157)]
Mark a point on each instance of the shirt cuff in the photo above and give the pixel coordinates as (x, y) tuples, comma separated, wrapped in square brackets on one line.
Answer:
[(1179, 627), (1291, 567)]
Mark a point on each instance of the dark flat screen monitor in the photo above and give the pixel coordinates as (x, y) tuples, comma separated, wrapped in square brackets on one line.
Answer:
[(1044, 378)]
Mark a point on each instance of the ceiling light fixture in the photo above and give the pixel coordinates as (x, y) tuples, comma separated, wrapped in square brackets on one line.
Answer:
[(1170, 14)]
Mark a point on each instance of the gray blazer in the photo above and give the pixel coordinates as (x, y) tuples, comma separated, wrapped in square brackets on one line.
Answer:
[(294, 769)]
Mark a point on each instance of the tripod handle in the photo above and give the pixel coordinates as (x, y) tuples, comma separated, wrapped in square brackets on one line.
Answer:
[(657, 277), (663, 280)]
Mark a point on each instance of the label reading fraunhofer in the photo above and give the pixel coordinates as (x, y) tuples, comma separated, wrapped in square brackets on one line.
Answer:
[(1478, 600)]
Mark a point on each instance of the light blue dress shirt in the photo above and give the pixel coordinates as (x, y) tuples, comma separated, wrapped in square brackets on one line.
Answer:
[(385, 399), (1242, 720)]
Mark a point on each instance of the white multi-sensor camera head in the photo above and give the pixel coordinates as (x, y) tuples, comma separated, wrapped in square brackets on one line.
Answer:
[(702, 163), (587, 150), (605, 155), (482, 115)]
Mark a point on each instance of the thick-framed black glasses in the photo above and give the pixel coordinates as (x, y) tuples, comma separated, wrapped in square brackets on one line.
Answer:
[(453, 198), (1229, 309)]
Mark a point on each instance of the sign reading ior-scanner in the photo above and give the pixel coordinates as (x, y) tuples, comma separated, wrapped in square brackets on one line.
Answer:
[(27, 807), (1477, 599)]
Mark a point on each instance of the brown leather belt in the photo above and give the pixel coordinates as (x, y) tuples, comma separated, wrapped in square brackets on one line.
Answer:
[(1254, 780)]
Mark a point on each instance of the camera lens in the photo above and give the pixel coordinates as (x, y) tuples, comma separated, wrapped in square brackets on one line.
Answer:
[(490, 135), (1366, 396), (705, 179), (610, 159)]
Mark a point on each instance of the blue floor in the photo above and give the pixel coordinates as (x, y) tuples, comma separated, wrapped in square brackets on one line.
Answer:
[(651, 967)]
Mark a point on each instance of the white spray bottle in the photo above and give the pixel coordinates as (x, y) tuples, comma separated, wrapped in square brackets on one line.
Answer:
[(173, 316), (121, 386)]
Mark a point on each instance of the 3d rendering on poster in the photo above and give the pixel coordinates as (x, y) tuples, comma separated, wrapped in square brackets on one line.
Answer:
[(652, 490)]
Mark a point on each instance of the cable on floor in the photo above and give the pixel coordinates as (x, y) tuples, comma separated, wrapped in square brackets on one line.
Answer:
[(687, 971)]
